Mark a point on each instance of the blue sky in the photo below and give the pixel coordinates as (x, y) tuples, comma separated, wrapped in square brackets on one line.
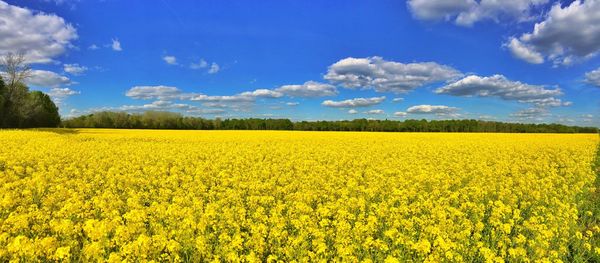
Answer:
[(309, 60)]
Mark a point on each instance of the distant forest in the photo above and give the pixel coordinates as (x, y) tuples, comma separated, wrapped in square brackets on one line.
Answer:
[(170, 120)]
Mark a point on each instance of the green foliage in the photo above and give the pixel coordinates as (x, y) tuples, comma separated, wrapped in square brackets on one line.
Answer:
[(20, 108), (169, 120), (41, 111)]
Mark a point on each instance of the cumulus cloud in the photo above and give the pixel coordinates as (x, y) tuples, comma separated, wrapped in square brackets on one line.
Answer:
[(262, 93), (351, 103), (468, 12), (214, 68), (200, 65), (531, 113), (352, 111), (400, 114), (308, 89), (566, 35), (374, 112), (159, 105), (398, 100), (93, 47), (501, 87), (593, 77), (387, 76), (171, 60), (74, 69), (116, 45), (432, 109), (39, 36), (58, 95), (156, 105), (154, 92), (47, 79), (521, 51), (225, 98)]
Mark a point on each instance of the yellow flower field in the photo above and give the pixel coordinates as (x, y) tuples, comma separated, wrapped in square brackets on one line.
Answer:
[(252, 196)]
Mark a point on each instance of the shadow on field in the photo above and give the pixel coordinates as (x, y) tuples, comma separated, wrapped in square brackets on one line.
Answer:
[(61, 131)]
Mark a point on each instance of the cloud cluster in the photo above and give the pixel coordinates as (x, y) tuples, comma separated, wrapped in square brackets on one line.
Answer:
[(387, 76), (535, 113), (468, 12), (171, 60), (566, 35), (116, 45), (503, 88), (214, 68), (154, 92), (400, 114), (593, 77), (432, 109), (211, 68), (74, 69), (158, 105), (47, 79), (40, 36), (309, 89), (352, 103), (200, 65), (375, 112), (58, 95)]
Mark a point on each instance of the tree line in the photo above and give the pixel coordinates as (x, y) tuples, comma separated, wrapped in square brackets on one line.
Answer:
[(170, 120), (19, 107)]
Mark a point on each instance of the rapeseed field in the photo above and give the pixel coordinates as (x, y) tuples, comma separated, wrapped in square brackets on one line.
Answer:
[(266, 196)]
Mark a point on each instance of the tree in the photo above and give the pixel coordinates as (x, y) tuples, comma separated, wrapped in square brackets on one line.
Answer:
[(15, 69), (2, 100), (40, 111), (20, 108)]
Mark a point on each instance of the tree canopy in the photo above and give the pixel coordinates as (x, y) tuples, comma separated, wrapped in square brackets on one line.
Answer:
[(19, 107), (170, 120)]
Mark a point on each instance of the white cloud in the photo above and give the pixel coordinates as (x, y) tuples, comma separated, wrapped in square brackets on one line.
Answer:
[(247, 96), (214, 68), (501, 87), (292, 103), (226, 98), (565, 36), (171, 60), (40, 36), (262, 93), (374, 112), (93, 47), (156, 105), (398, 100), (352, 111), (47, 79), (201, 64), (154, 92), (432, 109), (593, 77), (58, 95), (159, 105), (387, 76), (531, 113), (74, 69), (400, 114), (116, 45), (524, 52), (468, 12), (357, 102), (308, 89)]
